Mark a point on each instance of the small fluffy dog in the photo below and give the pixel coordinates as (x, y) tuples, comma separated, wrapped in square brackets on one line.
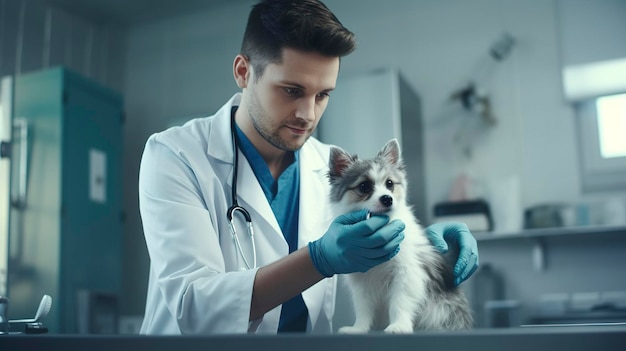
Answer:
[(415, 289)]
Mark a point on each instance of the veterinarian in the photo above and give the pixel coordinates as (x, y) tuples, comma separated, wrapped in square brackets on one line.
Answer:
[(205, 280)]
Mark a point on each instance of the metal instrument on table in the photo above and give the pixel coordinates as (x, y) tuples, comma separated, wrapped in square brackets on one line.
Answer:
[(30, 325)]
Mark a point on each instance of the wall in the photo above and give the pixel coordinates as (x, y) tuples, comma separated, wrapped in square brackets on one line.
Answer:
[(35, 36), (591, 31)]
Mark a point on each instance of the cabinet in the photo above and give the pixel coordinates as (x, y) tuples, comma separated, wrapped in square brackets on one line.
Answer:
[(65, 218), (365, 111)]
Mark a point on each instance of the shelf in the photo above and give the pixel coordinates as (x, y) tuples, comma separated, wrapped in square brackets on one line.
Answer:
[(538, 238), (552, 232)]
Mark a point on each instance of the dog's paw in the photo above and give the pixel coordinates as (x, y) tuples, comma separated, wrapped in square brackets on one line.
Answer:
[(399, 328), (352, 330)]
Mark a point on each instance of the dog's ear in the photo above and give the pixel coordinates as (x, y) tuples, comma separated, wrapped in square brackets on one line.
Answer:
[(338, 162), (391, 153)]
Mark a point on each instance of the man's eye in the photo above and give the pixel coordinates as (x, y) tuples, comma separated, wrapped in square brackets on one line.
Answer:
[(322, 96), (293, 91), (365, 187)]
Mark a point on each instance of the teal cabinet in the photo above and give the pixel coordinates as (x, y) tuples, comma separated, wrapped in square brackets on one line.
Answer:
[(66, 194)]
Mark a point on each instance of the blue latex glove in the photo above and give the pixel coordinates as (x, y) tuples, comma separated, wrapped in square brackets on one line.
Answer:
[(440, 234), (354, 243)]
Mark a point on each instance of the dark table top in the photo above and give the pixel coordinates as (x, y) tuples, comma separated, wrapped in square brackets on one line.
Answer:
[(571, 338)]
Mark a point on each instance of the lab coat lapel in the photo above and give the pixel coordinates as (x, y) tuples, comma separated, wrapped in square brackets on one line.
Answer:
[(313, 196), (313, 221), (250, 192)]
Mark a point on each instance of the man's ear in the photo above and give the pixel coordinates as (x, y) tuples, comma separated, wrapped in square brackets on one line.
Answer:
[(242, 70)]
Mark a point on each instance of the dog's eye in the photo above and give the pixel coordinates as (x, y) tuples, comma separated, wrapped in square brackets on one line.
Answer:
[(365, 187), (389, 184)]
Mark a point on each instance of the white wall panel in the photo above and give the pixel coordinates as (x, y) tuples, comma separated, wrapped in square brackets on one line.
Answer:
[(35, 35)]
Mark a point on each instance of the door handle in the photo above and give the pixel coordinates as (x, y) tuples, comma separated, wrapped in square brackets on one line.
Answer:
[(21, 126)]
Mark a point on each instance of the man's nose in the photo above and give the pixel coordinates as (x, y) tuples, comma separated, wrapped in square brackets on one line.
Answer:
[(306, 109)]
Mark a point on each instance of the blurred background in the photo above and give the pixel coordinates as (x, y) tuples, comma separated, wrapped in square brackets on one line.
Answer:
[(511, 115)]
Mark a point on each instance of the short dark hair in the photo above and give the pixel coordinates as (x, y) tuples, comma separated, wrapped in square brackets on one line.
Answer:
[(306, 25)]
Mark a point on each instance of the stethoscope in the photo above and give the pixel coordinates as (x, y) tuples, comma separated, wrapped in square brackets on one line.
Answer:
[(235, 206)]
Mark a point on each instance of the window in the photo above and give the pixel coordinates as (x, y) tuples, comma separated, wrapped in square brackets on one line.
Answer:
[(612, 125), (602, 124)]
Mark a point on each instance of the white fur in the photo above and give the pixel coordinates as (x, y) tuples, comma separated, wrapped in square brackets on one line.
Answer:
[(394, 295), (395, 290)]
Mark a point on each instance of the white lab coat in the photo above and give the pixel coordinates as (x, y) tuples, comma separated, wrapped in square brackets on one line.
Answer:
[(196, 284)]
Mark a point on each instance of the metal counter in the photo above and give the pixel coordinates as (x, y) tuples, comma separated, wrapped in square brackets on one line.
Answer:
[(569, 338)]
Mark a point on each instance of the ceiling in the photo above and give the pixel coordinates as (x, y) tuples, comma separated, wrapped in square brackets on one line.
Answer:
[(132, 11)]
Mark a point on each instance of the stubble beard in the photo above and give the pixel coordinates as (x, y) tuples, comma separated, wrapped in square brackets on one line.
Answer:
[(257, 115)]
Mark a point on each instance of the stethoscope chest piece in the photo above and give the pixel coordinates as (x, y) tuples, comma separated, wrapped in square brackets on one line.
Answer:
[(233, 231)]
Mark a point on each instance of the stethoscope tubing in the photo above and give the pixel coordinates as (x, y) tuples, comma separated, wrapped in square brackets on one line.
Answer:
[(235, 205)]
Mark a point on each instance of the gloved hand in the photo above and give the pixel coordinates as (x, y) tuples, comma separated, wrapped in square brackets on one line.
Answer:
[(440, 234), (356, 244)]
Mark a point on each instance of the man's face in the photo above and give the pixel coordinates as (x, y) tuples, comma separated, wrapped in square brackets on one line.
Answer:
[(286, 103)]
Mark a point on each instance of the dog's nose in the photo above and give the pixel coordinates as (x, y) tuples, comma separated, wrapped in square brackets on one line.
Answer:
[(386, 200)]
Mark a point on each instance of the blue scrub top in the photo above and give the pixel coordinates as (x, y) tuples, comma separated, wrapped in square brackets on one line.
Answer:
[(283, 196)]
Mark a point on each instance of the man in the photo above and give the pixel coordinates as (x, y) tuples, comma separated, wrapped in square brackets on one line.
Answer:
[(205, 279)]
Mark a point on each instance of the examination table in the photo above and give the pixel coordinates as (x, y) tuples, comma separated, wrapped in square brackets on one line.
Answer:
[(571, 338)]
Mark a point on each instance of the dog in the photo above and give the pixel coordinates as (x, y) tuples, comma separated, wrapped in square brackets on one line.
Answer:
[(414, 290)]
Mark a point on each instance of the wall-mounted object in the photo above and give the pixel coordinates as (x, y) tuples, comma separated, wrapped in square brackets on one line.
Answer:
[(472, 102), (476, 101), (472, 96)]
